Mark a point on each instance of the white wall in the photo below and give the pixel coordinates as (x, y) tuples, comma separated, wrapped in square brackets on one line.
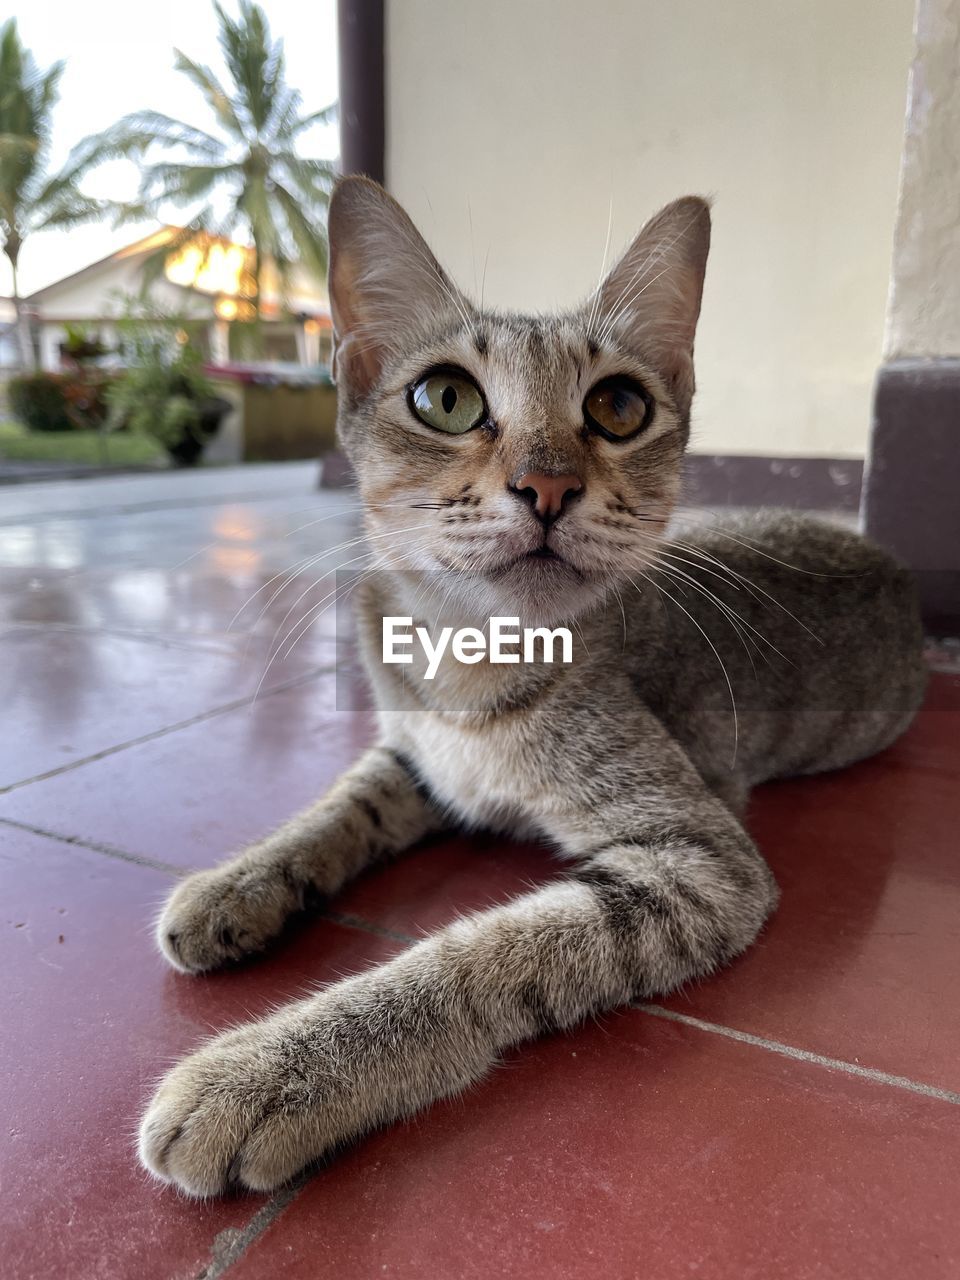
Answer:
[(525, 117)]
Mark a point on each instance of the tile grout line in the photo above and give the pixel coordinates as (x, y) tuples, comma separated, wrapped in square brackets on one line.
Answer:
[(348, 920), (109, 850), (802, 1055), (210, 714), (204, 642), (229, 1246), (156, 505)]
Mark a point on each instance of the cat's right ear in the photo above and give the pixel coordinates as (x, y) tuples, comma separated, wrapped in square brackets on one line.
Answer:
[(384, 282), (651, 298)]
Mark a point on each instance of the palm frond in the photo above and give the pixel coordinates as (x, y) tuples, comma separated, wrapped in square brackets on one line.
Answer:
[(315, 178), (71, 209), (255, 63), (213, 91), (309, 237), (182, 184), (326, 115), (134, 134)]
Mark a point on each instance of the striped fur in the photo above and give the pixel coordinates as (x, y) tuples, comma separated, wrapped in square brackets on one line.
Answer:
[(625, 761)]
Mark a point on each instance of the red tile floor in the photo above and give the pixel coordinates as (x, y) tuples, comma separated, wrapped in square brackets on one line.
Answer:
[(797, 1116)]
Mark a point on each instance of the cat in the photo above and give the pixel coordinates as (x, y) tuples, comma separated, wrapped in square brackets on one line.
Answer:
[(540, 457)]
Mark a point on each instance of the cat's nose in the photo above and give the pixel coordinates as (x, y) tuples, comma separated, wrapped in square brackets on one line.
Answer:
[(546, 494)]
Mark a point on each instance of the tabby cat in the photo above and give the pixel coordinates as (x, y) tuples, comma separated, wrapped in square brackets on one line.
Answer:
[(539, 458)]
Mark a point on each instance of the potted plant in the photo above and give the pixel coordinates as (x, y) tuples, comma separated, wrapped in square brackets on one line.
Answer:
[(164, 393), (80, 348)]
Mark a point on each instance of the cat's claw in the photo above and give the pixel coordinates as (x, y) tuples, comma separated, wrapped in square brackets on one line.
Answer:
[(216, 916)]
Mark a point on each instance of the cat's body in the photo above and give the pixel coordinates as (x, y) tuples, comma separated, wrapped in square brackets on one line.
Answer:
[(831, 688), (540, 461)]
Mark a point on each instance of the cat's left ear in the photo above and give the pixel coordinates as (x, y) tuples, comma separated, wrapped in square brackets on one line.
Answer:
[(385, 284), (651, 298)]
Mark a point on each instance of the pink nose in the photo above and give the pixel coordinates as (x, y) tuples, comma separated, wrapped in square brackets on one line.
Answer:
[(547, 494)]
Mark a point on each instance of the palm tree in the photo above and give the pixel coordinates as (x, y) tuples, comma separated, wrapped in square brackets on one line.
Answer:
[(31, 199), (248, 175)]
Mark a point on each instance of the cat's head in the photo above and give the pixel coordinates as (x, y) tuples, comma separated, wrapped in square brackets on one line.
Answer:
[(534, 458)]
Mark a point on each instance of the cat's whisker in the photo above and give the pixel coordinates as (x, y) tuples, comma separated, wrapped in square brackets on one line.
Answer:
[(276, 651), (368, 537), (598, 291), (332, 599), (752, 546), (483, 278), (295, 634), (290, 574), (217, 541), (623, 616), (749, 583), (716, 654), (726, 613), (359, 506), (447, 286), (579, 630), (624, 301), (661, 556)]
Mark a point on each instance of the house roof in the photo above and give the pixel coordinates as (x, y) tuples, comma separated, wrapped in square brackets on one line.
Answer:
[(303, 295), (144, 246)]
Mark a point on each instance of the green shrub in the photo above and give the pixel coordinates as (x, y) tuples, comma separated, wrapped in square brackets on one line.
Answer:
[(163, 390), (38, 401), (59, 401)]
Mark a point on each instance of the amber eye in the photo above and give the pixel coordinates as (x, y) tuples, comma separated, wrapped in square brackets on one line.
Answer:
[(449, 401), (617, 408)]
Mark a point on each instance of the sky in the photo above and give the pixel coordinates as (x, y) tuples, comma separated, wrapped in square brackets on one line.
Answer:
[(119, 58)]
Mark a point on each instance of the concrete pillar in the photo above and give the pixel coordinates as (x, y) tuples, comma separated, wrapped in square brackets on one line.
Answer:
[(923, 316), (912, 484)]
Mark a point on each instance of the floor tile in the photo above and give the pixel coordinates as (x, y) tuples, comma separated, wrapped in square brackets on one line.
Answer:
[(73, 695), (194, 796), (862, 959), (639, 1148), (258, 609), (933, 740), (444, 878), (91, 1016), (632, 1146)]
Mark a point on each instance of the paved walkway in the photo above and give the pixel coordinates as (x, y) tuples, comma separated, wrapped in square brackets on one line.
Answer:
[(799, 1115)]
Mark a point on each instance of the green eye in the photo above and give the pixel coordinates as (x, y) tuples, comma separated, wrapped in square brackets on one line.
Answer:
[(448, 401)]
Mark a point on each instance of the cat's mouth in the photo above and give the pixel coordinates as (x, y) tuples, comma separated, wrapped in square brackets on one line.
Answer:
[(541, 560)]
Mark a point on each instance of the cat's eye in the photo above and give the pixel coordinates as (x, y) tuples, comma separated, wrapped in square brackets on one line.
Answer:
[(617, 408), (448, 400)]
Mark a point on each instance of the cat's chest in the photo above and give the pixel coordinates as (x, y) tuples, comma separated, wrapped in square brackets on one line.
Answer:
[(484, 776)]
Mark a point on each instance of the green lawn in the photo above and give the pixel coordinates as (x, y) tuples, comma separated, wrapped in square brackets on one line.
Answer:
[(120, 449)]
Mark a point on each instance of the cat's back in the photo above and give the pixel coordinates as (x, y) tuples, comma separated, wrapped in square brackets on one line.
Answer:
[(812, 631)]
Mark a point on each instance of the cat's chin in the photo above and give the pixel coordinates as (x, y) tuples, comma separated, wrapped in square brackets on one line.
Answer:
[(542, 591)]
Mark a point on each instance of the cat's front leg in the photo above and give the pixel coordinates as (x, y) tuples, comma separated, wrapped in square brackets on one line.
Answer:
[(649, 909), (376, 809)]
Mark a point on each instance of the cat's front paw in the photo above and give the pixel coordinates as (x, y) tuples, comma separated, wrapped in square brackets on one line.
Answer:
[(245, 1111), (224, 914)]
